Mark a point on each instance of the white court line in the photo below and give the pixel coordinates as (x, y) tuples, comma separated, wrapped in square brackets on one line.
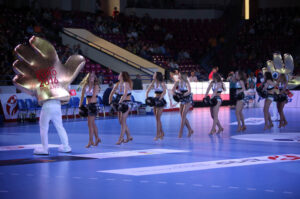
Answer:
[(180, 183), (24, 147), (197, 166), (76, 177), (198, 185), (127, 180), (162, 182), (233, 187), (251, 189), (110, 179), (287, 192), (120, 154), (93, 178), (215, 186), (144, 181), (269, 190), (3, 191)]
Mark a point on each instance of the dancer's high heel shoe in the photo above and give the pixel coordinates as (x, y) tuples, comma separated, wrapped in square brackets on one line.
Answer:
[(128, 139), (213, 131), (120, 141), (89, 144), (190, 133), (180, 135), (285, 123), (267, 127), (162, 136), (97, 142), (239, 129), (280, 124), (244, 128), (220, 130)]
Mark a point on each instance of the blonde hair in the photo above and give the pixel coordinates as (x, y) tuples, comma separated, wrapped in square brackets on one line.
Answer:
[(84, 81)]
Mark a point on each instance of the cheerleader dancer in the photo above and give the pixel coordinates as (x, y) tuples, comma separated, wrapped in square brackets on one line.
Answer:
[(240, 89), (183, 87), (123, 90), (282, 86), (217, 87), (269, 87), (160, 90), (91, 89)]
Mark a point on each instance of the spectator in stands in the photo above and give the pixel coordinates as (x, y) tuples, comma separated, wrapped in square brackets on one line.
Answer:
[(201, 74), (193, 77), (137, 83), (168, 36), (106, 94), (251, 80), (77, 50), (162, 49), (214, 70), (115, 13), (116, 30), (175, 76)]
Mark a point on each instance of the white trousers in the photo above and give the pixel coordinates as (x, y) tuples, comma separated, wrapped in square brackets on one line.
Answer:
[(275, 114), (51, 111)]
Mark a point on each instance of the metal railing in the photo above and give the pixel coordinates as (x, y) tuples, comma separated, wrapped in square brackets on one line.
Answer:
[(121, 58)]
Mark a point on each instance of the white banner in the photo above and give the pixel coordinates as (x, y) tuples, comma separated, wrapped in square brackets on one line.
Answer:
[(121, 154), (294, 102), (197, 166)]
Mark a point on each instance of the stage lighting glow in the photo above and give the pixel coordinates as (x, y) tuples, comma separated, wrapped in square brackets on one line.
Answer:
[(247, 9)]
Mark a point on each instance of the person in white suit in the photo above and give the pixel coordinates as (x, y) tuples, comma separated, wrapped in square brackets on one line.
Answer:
[(40, 73)]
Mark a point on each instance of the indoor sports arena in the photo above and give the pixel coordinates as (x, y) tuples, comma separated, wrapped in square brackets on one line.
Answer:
[(149, 99)]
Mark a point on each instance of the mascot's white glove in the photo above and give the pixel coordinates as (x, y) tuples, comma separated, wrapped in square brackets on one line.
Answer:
[(40, 72), (286, 66)]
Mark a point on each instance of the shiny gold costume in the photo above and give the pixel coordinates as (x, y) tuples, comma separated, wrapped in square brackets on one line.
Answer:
[(40, 72)]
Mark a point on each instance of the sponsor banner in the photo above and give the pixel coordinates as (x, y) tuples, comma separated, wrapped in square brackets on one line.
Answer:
[(294, 102), (274, 137), (121, 154), (23, 147), (198, 166), (9, 104), (10, 108), (199, 90)]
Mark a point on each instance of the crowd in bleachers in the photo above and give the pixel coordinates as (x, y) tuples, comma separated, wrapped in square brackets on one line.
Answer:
[(171, 43), (271, 30), (17, 26)]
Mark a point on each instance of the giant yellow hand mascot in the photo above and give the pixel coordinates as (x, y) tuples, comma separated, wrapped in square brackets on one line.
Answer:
[(40, 73)]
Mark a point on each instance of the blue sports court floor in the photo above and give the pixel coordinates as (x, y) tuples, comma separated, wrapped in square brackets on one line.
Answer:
[(252, 164)]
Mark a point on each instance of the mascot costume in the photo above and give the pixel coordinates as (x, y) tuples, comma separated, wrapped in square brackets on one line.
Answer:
[(40, 73), (279, 66), (285, 66)]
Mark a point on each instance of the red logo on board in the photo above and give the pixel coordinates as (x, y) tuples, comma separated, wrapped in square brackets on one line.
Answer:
[(11, 105), (284, 157), (47, 76)]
